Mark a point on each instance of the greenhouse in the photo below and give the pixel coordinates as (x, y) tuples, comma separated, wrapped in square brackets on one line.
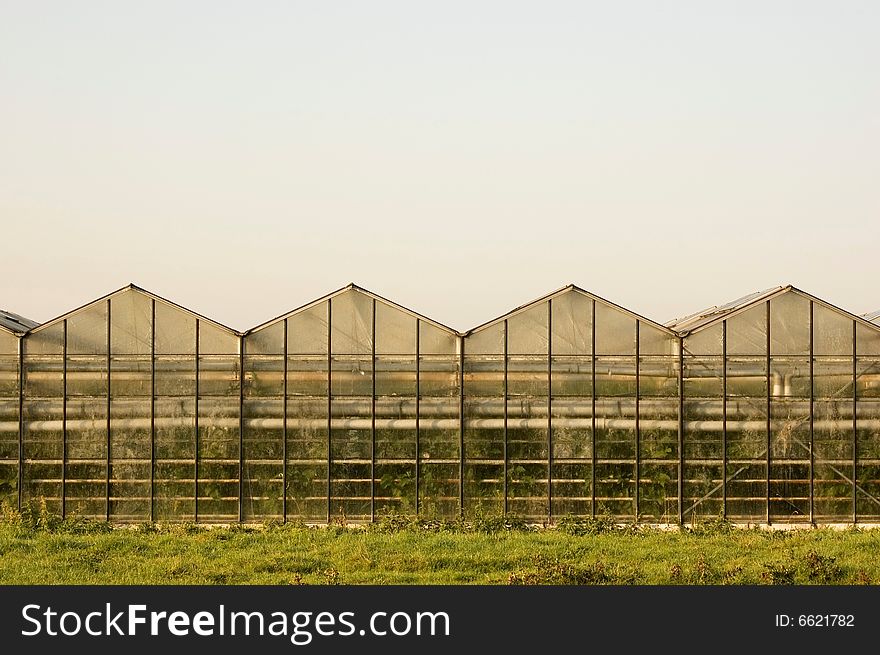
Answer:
[(134, 409)]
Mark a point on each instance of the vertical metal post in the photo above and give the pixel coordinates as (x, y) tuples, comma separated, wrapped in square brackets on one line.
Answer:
[(107, 481), (769, 425), (418, 411), (197, 452), (241, 354), (724, 418), (855, 425), (329, 401), (812, 434), (284, 433), (152, 409), (373, 414), (680, 489), (637, 435), (461, 452), (20, 419), (593, 408), (64, 420), (550, 410), (505, 368)]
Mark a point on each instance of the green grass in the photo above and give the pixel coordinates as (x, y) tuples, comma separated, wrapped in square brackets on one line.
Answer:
[(38, 549)]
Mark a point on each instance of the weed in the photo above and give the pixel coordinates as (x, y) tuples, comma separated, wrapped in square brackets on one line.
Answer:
[(822, 569), (778, 573)]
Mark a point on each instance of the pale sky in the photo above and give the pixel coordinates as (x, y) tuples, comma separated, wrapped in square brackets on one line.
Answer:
[(460, 158)]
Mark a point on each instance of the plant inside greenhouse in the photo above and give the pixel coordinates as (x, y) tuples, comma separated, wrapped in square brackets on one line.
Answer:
[(349, 408)]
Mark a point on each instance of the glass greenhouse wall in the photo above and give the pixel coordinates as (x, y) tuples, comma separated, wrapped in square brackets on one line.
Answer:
[(133, 408)]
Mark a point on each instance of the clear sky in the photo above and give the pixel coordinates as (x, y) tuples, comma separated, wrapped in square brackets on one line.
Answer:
[(461, 158)]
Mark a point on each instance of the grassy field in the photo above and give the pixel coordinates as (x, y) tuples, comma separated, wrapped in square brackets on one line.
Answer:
[(43, 550)]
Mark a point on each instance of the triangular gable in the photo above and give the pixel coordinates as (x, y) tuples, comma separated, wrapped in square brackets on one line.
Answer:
[(347, 288), (133, 287), (559, 292), (700, 321)]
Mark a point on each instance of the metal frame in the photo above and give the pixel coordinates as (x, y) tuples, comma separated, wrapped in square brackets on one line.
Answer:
[(696, 324)]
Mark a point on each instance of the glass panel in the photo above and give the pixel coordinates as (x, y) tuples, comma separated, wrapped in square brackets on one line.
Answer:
[(87, 375), (351, 376), (483, 375), (658, 451), (263, 375), (833, 377), (130, 464), (218, 494), (214, 340), (396, 487), (130, 375), (175, 375), (218, 375), (351, 323), (615, 331), (307, 376), (488, 341), (395, 376), (790, 325), (43, 376), (616, 376), (572, 324), (615, 489), (175, 330), (86, 456), (8, 376), (175, 458), (307, 331), (8, 343), (43, 452), (307, 455), (483, 487), (703, 451), (395, 331), (654, 341), (435, 341), (527, 331), (572, 376), (868, 449), (87, 330), (572, 488), (703, 376), (707, 341), (747, 332), (833, 455), (527, 376), (130, 324), (48, 340), (438, 375), (438, 489), (790, 460), (867, 340), (266, 341), (616, 429), (263, 459), (832, 332), (658, 376), (747, 452)]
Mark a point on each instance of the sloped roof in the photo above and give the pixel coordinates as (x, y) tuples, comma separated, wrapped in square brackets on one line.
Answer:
[(713, 315), (16, 323), (559, 292), (873, 317), (134, 287), (352, 287)]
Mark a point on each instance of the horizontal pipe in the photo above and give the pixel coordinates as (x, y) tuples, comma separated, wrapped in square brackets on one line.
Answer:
[(602, 423)]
